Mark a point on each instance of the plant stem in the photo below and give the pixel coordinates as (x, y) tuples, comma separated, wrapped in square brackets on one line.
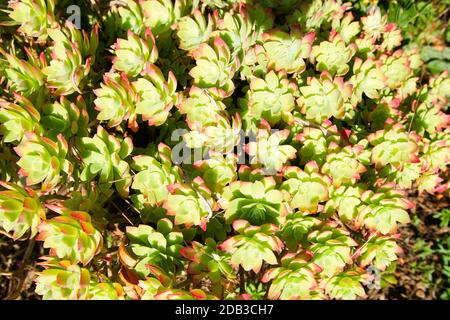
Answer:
[(241, 280)]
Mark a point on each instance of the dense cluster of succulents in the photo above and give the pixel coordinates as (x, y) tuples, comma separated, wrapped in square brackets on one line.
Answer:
[(219, 145)]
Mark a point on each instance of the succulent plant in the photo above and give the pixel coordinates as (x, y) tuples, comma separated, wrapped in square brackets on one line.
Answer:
[(116, 100), (33, 16), (267, 151), (429, 117), (24, 77), (342, 166), (346, 285), (62, 280), (17, 119), (21, 211), (176, 294), (130, 16), (215, 67), (153, 177), (380, 252), (296, 229), (287, 51), (258, 202), (271, 98), (156, 96), (201, 109), (160, 15), (219, 137), (230, 149), (438, 88), (373, 23), (218, 171), (404, 177), (148, 246), (385, 208), (132, 54), (316, 14), (396, 68), (346, 27), (103, 155), (431, 183), (315, 142), (294, 279), (367, 79), (334, 55), (331, 249), (325, 97), (72, 56), (392, 37), (106, 291), (256, 242), (238, 31), (66, 118), (71, 236), (255, 63), (394, 146), (207, 261), (436, 151), (191, 206), (150, 287), (193, 31), (43, 160), (307, 188), (346, 202)]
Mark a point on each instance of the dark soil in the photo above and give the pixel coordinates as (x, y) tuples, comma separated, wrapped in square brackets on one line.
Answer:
[(18, 268)]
